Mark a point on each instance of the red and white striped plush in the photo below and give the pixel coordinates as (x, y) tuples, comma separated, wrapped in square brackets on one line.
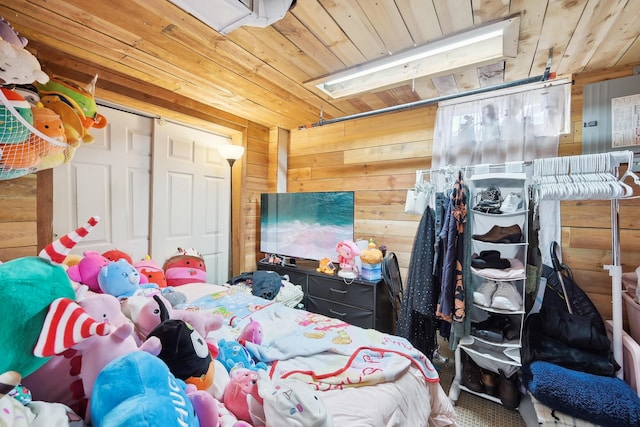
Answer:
[(58, 250)]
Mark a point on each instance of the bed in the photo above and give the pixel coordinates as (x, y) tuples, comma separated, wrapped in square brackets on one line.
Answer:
[(351, 367)]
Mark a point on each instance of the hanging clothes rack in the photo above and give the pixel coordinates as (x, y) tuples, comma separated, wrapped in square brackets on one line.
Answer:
[(596, 177)]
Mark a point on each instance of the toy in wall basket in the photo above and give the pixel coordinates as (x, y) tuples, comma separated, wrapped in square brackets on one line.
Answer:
[(19, 66)]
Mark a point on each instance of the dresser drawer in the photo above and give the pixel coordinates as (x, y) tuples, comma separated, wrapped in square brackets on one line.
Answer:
[(352, 315), (358, 294)]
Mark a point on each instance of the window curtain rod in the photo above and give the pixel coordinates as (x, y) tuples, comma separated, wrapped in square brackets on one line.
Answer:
[(423, 102)]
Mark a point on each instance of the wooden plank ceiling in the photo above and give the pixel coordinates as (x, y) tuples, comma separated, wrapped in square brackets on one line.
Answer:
[(152, 51)]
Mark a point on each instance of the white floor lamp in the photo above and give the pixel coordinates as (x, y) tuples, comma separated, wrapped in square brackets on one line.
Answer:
[(231, 153)]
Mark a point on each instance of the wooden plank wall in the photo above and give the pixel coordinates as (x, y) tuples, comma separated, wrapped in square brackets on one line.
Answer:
[(377, 157), (18, 217), (255, 181)]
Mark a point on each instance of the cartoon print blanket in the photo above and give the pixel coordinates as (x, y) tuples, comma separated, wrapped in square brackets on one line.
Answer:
[(323, 351)]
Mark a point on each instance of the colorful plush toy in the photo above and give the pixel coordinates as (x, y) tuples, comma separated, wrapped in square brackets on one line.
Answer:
[(152, 271), (19, 66), (146, 315), (371, 255), (87, 269), (12, 412), (98, 351), (184, 350), (48, 123), (185, 266), (242, 387), (81, 99), (326, 266), (291, 402), (121, 279), (139, 390), (347, 253), (73, 128), (12, 131), (10, 35), (117, 254), (233, 355), (252, 332), (32, 289)]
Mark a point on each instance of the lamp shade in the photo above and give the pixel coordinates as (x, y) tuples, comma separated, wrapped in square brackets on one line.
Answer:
[(231, 152)]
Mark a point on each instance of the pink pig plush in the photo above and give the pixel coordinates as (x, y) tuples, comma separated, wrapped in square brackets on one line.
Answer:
[(252, 333), (242, 387)]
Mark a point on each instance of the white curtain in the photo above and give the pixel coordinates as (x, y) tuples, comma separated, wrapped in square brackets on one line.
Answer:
[(505, 127), (501, 128)]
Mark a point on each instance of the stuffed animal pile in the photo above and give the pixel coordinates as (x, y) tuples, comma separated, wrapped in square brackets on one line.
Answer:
[(43, 119), (90, 354)]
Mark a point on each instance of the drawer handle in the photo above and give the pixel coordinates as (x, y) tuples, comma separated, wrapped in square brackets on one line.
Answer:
[(337, 290), (336, 313)]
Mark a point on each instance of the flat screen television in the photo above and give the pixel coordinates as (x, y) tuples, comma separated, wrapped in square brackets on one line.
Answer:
[(306, 225)]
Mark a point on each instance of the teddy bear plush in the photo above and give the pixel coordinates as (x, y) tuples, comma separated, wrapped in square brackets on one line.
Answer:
[(234, 355), (121, 279)]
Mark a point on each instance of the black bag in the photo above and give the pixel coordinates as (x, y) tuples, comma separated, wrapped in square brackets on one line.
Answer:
[(578, 300), (548, 338), (576, 340)]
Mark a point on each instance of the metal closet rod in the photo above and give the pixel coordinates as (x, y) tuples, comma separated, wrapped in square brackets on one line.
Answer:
[(423, 102)]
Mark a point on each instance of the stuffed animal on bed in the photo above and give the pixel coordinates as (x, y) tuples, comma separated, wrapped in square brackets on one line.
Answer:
[(185, 266), (98, 351), (184, 350), (16, 411), (145, 313), (252, 332), (234, 355), (139, 390), (290, 402), (242, 387), (87, 269), (152, 271), (32, 289), (121, 279)]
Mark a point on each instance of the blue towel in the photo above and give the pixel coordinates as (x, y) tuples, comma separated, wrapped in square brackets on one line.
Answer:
[(606, 401)]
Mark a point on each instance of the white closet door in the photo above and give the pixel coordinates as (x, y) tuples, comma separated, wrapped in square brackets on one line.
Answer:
[(190, 203), (110, 178)]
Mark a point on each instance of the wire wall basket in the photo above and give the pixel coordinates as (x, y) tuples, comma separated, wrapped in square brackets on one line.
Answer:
[(25, 149)]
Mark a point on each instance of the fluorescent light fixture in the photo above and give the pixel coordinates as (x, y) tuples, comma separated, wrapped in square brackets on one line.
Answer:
[(480, 46)]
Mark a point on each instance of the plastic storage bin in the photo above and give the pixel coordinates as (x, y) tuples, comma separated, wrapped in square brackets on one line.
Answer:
[(633, 315)]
